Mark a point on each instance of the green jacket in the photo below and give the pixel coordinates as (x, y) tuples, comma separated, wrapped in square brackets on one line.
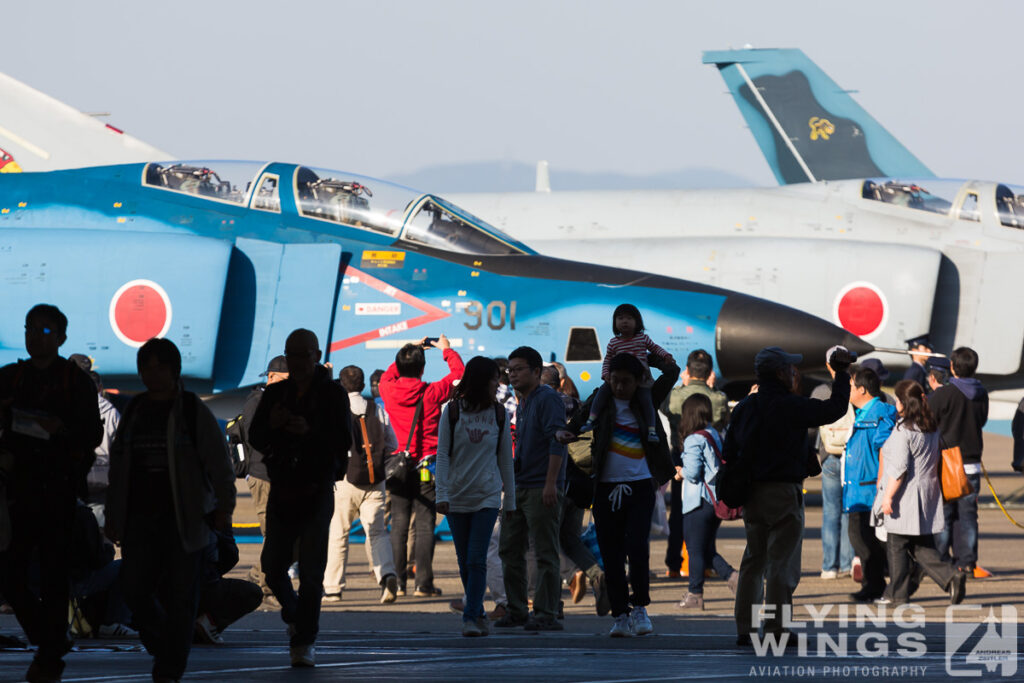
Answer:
[(673, 407)]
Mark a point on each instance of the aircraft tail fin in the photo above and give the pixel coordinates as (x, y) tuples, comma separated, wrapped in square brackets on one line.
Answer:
[(40, 133), (809, 128)]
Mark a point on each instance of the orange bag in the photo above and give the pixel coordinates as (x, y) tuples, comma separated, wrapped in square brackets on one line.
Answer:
[(952, 475)]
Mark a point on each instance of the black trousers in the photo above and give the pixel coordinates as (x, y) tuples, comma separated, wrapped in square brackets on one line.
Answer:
[(41, 522), (623, 525), (407, 496), (903, 552), (674, 551), (304, 523), (161, 587), (870, 551), (226, 601)]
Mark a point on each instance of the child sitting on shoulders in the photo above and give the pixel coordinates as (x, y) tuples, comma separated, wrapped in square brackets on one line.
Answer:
[(628, 327)]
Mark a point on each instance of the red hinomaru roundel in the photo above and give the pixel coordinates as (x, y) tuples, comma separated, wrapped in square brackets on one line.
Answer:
[(139, 311), (861, 309)]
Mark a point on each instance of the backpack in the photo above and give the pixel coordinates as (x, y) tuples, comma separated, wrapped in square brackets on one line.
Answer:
[(365, 465), (722, 510), (580, 453), (453, 417), (833, 436)]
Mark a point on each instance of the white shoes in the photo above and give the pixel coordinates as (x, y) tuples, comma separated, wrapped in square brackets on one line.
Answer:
[(621, 629), (829, 574), (303, 655), (639, 622)]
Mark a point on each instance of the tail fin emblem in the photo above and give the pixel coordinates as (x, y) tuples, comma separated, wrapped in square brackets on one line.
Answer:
[(821, 128)]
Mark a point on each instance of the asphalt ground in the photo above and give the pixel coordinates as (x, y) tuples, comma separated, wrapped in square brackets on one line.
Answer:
[(420, 639)]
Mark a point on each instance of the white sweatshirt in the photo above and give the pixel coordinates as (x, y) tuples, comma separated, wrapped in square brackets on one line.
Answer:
[(472, 471)]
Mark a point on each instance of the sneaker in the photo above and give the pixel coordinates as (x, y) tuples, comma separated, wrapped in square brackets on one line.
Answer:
[(332, 597), (498, 612), (829, 574), (470, 629), (400, 592), (510, 621), (116, 631), (958, 588), (485, 628), (692, 601), (856, 570), (578, 587), (733, 582), (639, 622), (864, 596), (602, 602), (303, 655), (293, 571), (206, 632), (543, 624), (427, 592), (44, 670), (389, 591), (457, 606), (621, 629), (884, 600), (270, 602), (673, 574)]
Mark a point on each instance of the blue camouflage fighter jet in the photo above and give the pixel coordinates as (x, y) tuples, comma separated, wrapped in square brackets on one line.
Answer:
[(226, 258)]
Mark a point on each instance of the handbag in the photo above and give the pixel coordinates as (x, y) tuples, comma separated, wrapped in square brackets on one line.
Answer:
[(399, 464), (722, 511), (952, 476)]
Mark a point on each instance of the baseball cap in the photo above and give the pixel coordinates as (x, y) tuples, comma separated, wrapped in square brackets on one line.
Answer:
[(877, 367), (276, 364), (772, 358)]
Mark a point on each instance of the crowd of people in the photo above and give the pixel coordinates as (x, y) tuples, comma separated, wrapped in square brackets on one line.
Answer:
[(505, 449)]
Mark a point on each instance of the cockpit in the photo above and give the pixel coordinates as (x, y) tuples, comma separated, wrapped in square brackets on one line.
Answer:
[(962, 200), (409, 216), (336, 197)]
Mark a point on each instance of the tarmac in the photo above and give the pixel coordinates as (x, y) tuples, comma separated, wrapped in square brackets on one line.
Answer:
[(419, 639)]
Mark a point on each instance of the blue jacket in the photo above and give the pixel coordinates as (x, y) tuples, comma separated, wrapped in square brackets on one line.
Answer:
[(871, 427), (700, 464)]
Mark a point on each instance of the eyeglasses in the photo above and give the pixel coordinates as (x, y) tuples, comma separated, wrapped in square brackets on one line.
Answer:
[(38, 330), (516, 369)]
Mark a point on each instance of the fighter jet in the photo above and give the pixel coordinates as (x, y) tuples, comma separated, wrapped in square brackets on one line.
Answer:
[(226, 258), (862, 234)]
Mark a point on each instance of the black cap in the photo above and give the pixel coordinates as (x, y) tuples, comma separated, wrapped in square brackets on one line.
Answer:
[(922, 340), (877, 367), (939, 363), (772, 358), (276, 364), (81, 360)]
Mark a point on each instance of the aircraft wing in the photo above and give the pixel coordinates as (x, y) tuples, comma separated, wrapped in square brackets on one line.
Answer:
[(39, 133), (807, 127)]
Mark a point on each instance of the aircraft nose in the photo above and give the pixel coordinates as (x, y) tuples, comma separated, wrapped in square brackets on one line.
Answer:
[(746, 325)]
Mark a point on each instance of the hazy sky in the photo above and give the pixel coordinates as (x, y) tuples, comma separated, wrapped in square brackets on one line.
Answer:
[(386, 87)]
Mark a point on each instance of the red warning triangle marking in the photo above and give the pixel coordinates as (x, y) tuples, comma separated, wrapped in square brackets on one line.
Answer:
[(430, 313)]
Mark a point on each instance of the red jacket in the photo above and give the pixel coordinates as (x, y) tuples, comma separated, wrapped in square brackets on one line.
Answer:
[(401, 394)]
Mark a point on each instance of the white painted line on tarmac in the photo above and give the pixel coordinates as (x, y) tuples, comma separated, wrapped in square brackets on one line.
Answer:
[(258, 669), (689, 677)]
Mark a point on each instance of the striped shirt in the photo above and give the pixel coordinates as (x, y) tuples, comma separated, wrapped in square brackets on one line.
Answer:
[(626, 461), (639, 345)]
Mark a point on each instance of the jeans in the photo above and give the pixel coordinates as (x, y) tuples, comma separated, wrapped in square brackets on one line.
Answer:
[(773, 520), (623, 525), (406, 497), (701, 527), (961, 532), (531, 520), (161, 586), (41, 522), (870, 551), (674, 551), (837, 553), (471, 534), (365, 503), (303, 520)]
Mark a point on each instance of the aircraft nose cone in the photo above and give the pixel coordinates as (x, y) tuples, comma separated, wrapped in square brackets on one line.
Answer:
[(746, 325)]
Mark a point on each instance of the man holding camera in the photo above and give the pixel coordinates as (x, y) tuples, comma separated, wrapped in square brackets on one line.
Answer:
[(415, 409)]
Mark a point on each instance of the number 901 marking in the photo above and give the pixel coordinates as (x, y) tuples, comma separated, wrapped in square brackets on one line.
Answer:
[(494, 313)]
